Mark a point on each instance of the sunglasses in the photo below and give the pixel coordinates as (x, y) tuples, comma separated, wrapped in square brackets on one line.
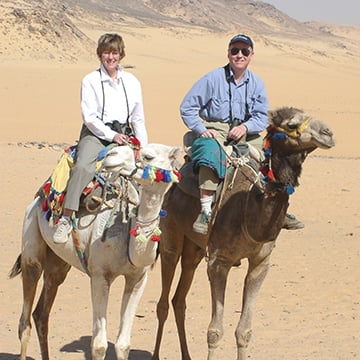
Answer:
[(245, 51)]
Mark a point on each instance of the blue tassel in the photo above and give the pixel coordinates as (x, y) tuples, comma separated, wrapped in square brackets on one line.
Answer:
[(267, 153), (279, 136), (52, 196), (162, 213), (145, 174), (166, 176), (290, 190)]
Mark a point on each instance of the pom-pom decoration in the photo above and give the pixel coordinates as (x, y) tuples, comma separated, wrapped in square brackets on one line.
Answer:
[(155, 174), (156, 235)]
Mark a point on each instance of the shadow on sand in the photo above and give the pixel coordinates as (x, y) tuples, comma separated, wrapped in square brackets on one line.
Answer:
[(83, 345)]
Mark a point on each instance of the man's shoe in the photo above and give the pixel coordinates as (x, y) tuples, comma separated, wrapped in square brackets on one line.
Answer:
[(201, 224), (63, 230), (292, 223)]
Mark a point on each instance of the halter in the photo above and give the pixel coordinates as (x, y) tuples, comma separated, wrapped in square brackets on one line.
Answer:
[(278, 133), (295, 133)]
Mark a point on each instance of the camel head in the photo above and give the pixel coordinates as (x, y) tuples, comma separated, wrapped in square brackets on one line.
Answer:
[(120, 159), (301, 131), (151, 157), (158, 163), (160, 156)]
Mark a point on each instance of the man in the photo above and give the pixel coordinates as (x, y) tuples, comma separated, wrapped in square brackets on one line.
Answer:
[(228, 104)]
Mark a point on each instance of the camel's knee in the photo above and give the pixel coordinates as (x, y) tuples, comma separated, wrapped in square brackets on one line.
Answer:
[(24, 330), (179, 306), (213, 338), (162, 310), (170, 257), (31, 271), (122, 352), (98, 349), (243, 338)]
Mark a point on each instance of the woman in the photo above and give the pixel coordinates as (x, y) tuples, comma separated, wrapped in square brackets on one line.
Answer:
[(112, 106)]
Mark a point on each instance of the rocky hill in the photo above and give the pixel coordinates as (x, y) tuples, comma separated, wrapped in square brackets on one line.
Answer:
[(56, 30)]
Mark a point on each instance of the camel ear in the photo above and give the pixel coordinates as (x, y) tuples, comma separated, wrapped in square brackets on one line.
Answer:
[(271, 116), (175, 157)]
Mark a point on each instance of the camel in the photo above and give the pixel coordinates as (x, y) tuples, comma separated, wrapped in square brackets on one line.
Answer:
[(108, 248), (247, 222)]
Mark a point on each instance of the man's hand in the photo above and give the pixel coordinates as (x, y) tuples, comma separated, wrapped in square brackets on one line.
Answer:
[(237, 132), (209, 133)]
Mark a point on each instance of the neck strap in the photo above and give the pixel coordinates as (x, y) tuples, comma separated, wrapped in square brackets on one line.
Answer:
[(126, 98), (235, 122)]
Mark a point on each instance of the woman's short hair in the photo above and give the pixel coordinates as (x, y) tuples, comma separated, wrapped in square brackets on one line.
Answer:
[(111, 42)]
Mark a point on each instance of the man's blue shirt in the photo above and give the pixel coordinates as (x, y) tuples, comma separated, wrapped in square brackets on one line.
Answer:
[(208, 99)]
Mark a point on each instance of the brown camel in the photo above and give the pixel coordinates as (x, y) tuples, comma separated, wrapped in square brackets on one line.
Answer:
[(246, 225)]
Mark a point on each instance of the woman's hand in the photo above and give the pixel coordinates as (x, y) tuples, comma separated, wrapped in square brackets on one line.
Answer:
[(120, 139)]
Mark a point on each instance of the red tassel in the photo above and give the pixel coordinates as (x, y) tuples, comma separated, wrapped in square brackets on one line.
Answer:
[(177, 174), (135, 142), (270, 175), (61, 198), (134, 232), (47, 188), (158, 176), (155, 238), (44, 206)]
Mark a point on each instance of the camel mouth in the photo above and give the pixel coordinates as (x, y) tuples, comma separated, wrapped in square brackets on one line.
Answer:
[(324, 142)]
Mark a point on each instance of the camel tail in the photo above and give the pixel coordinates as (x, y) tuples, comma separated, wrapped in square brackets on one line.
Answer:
[(16, 269)]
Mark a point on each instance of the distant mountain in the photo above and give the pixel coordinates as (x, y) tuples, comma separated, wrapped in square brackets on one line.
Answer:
[(56, 25)]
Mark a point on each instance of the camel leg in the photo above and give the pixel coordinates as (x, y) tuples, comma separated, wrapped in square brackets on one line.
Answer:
[(134, 289), (254, 278), (217, 273), (190, 259), (55, 271), (32, 259), (169, 260), (100, 287), (31, 273)]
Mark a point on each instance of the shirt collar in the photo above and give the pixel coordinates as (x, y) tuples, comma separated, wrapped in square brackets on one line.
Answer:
[(105, 76), (244, 79)]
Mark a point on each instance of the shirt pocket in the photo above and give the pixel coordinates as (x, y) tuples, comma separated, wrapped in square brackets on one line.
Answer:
[(218, 109)]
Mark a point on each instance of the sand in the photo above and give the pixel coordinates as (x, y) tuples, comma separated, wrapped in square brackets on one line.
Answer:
[(308, 307)]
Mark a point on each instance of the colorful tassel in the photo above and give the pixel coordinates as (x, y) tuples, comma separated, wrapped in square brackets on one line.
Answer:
[(290, 190), (156, 235), (145, 174), (271, 175), (158, 176), (279, 136), (141, 238)]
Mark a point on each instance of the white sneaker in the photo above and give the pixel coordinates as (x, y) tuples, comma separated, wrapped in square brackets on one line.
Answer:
[(63, 229), (201, 224)]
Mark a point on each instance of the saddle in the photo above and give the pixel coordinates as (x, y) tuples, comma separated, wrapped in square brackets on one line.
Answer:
[(101, 190), (189, 182)]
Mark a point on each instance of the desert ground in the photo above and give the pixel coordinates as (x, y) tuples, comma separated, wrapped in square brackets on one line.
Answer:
[(309, 305)]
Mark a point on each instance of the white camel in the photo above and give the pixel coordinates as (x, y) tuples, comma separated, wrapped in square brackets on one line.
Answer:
[(107, 247)]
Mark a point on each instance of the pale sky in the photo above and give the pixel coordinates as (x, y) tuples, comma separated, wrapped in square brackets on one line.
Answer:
[(346, 12)]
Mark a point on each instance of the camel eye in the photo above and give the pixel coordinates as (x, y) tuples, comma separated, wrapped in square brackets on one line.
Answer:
[(148, 157), (292, 126)]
